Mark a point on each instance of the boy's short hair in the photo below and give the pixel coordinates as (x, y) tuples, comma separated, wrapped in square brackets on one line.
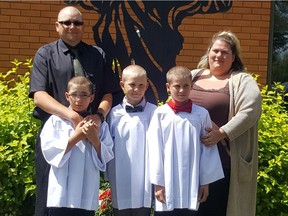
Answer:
[(80, 80), (135, 70), (178, 72)]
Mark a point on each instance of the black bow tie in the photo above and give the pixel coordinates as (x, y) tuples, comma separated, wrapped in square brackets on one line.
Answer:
[(131, 109)]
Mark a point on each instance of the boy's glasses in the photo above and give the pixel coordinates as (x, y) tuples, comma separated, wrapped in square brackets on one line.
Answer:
[(80, 96), (68, 23)]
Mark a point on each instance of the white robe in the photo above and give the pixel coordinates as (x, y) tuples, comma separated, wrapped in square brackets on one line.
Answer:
[(178, 160), (74, 177), (127, 172)]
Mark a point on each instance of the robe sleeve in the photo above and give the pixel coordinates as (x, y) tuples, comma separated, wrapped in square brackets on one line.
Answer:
[(54, 139), (210, 163), (106, 148)]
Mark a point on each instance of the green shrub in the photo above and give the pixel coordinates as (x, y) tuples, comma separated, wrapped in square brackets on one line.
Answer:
[(17, 139), (272, 197)]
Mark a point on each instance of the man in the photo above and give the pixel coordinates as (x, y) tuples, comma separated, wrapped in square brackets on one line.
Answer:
[(52, 69)]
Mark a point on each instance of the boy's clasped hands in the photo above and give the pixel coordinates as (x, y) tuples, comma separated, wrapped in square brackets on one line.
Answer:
[(88, 128)]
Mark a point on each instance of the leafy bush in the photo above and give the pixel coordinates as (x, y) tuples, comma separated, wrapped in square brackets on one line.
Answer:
[(272, 197), (17, 138)]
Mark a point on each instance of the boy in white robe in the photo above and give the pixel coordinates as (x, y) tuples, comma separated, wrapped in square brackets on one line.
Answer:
[(76, 155), (181, 167), (128, 122)]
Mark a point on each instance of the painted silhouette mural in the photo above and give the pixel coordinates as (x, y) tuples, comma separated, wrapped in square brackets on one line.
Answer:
[(146, 32)]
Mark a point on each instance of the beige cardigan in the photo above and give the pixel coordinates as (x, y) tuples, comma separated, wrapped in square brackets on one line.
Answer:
[(242, 131)]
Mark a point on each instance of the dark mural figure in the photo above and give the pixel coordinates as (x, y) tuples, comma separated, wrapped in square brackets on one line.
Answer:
[(150, 30)]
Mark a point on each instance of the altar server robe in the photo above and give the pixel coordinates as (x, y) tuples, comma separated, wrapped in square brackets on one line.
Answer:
[(74, 177), (128, 171), (178, 159)]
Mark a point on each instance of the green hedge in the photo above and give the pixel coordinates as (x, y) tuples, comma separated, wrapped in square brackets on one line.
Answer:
[(272, 197), (19, 129), (17, 139)]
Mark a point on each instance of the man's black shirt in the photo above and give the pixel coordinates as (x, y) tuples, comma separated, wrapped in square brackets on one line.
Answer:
[(53, 68)]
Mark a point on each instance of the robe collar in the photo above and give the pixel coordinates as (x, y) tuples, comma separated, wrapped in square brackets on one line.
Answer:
[(130, 108), (185, 108)]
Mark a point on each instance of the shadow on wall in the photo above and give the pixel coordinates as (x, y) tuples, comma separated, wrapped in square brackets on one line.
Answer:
[(151, 28)]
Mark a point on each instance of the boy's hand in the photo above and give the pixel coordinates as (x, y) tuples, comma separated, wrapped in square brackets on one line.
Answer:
[(160, 193), (90, 129), (95, 118), (78, 132), (203, 193), (76, 137)]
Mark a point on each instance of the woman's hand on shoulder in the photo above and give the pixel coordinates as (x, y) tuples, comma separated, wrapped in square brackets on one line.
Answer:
[(213, 136)]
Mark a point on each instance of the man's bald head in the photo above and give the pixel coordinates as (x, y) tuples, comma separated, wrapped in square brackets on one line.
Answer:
[(68, 11)]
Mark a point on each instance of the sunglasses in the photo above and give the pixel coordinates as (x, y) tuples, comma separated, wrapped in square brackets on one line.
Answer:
[(68, 23)]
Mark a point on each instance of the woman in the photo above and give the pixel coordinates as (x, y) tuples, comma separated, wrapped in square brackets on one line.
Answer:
[(232, 97)]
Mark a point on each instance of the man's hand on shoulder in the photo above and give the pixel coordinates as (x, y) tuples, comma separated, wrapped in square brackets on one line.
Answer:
[(74, 117)]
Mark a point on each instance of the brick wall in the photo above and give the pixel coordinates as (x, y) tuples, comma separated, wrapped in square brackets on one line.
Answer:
[(250, 20), (27, 25)]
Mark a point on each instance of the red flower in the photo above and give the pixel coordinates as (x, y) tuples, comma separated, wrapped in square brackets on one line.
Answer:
[(105, 194), (105, 208)]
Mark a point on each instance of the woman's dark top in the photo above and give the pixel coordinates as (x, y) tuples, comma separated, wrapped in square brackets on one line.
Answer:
[(216, 101)]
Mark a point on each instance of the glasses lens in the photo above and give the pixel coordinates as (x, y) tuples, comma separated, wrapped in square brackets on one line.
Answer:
[(77, 23), (68, 23), (80, 96)]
